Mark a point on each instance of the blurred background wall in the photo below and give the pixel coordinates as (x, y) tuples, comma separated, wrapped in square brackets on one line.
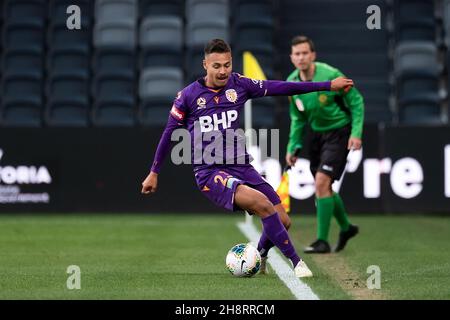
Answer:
[(88, 105)]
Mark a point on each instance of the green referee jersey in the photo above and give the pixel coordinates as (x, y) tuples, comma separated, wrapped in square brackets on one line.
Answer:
[(324, 110)]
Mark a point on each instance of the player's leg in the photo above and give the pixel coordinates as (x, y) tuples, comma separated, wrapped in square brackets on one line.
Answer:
[(348, 230), (333, 158), (338, 161), (322, 186), (324, 208), (255, 201), (264, 244)]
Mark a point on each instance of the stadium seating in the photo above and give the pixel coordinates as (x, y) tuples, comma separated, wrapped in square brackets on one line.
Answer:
[(68, 64), (161, 41), (114, 100), (417, 72), (161, 8), (58, 11), (197, 34), (199, 31), (19, 11), (115, 60), (157, 90), (338, 35), (115, 33), (23, 50), (23, 61), (401, 70), (69, 61), (22, 100), (68, 103), (59, 37), (253, 30), (24, 35), (107, 11), (414, 20), (203, 11), (114, 63)]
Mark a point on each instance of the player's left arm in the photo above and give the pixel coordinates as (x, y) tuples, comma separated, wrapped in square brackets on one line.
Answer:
[(282, 88), (261, 88), (355, 103)]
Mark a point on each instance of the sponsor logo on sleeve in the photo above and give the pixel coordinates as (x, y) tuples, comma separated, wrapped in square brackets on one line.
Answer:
[(177, 113), (258, 82)]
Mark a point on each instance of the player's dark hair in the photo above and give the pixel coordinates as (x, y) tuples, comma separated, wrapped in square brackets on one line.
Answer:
[(303, 39), (217, 46)]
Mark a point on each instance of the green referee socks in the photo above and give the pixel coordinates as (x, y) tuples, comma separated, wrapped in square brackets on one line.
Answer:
[(325, 209), (339, 212)]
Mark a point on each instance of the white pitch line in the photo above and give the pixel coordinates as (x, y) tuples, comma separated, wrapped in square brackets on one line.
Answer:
[(299, 289)]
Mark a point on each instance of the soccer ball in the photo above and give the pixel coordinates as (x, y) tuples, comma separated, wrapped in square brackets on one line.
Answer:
[(243, 260)]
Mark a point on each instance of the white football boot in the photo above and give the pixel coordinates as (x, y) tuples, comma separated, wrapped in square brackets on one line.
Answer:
[(302, 270)]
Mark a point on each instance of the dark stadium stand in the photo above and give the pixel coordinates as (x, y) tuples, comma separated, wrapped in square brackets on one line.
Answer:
[(130, 57), (161, 8), (417, 64), (157, 89), (253, 30), (414, 20), (205, 19), (338, 29), (69, 54), (417, 73), (161, 41)]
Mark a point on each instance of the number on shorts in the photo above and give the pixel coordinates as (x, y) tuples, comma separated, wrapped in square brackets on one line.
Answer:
[(218, 178)]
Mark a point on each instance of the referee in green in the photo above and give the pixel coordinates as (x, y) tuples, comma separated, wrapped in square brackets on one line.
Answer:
[(336, 121)]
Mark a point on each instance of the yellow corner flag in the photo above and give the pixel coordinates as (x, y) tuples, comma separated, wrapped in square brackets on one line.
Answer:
[(283, 192), (252, 68)]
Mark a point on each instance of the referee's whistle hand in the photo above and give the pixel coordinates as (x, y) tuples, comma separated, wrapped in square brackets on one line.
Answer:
[(341, 83), (150, 184), (354, 143)]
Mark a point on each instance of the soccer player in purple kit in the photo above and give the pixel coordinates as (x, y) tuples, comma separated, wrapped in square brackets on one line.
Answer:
[(212, 105)]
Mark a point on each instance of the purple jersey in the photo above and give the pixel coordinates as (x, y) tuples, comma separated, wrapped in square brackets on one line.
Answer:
[(209, 114)]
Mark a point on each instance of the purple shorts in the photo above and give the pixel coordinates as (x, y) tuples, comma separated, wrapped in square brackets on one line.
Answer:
[(219, 184)]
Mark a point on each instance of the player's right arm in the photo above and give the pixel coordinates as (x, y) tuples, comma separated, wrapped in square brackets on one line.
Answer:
[(176, 120), (298, 121)]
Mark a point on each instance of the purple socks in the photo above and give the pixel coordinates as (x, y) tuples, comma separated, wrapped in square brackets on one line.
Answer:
[(275, 233), (264, 244)]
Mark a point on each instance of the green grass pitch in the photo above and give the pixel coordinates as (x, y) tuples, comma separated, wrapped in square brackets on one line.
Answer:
[(131, 256)]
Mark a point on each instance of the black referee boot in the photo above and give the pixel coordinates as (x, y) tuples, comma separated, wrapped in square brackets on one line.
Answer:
[(344, 236), (318, 246)]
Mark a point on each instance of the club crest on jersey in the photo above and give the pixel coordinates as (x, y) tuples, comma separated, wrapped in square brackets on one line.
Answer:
[(201, 102), (323, 98), (231, 95)]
